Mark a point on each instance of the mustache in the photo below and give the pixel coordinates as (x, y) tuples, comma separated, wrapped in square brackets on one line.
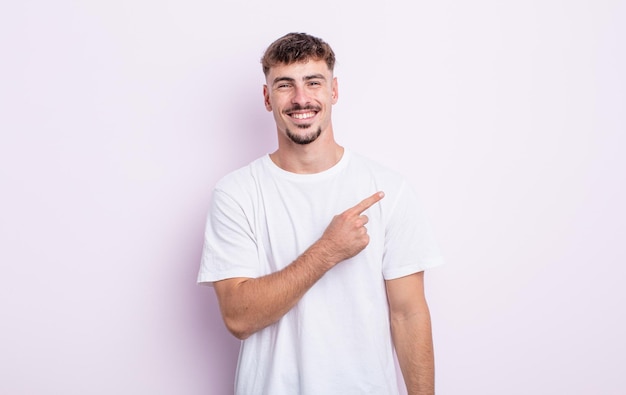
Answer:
[(298, 107)]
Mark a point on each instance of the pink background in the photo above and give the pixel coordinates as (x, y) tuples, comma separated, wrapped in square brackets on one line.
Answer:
[(117, 117)]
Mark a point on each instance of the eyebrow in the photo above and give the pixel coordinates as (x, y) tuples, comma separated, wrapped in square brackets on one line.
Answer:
[(314, 77), (306, 78)]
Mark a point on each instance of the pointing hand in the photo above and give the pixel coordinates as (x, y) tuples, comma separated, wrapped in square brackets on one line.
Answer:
[(346, 235)]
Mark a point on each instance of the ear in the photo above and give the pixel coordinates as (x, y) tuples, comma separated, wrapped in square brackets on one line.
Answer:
[(266, 98), (335, 90)]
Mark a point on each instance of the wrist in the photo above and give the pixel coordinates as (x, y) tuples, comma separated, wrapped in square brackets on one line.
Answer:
[(322, 253)]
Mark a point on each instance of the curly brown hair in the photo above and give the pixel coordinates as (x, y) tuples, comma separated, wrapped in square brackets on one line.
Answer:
[(297, 47)]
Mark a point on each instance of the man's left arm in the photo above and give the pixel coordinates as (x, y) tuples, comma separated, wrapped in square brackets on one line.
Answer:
[(412, 333)]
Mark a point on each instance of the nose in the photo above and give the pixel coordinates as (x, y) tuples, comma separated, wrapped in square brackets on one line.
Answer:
[(300, 96)]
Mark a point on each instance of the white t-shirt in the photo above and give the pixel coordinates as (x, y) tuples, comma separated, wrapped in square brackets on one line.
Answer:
[(337, 339)]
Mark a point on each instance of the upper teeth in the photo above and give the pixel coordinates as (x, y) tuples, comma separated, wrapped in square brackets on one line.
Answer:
[(302, 116)]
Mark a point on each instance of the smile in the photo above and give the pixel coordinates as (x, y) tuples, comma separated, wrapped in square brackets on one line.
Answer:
[(304, 115)]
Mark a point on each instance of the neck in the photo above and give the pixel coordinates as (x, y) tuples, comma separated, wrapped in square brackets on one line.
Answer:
[(316, 157)]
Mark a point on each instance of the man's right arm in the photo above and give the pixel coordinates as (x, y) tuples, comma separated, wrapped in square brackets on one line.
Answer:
[(251, 304)]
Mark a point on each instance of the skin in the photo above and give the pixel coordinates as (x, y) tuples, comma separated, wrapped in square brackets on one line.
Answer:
[(301, 96), (303, 85), (411, 332)]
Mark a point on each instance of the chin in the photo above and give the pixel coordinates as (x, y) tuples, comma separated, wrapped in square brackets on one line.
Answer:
[(303, 139)]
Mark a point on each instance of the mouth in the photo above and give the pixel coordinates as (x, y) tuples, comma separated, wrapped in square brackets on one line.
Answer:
[(302, 114)]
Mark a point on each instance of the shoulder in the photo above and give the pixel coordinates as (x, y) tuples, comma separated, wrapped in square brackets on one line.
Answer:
[(376, 170), (242, 179), (399, 189)]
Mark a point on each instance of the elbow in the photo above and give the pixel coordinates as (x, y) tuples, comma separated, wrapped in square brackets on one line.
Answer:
[(239, 334), (238, 328), (240, 316)]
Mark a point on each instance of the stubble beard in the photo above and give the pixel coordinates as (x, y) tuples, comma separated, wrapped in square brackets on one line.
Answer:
[(306, 139)]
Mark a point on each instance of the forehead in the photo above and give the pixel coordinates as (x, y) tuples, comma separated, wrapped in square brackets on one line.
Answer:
[(299, 70)]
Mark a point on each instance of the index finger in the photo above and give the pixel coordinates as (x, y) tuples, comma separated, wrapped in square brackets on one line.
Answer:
[(368, 202)]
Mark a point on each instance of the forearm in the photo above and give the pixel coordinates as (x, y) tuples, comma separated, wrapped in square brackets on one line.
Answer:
[(251, 304), (412, 336)]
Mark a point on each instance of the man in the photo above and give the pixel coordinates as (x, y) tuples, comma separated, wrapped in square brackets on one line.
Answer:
[(315, 268)]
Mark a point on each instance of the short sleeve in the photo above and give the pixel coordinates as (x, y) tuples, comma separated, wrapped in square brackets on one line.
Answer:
[(410, 245), (230, 248)]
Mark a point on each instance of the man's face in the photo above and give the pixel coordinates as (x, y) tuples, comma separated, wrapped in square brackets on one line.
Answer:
[(301, 96)]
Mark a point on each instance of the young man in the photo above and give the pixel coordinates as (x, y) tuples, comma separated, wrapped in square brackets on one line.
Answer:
[(316, 269)]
